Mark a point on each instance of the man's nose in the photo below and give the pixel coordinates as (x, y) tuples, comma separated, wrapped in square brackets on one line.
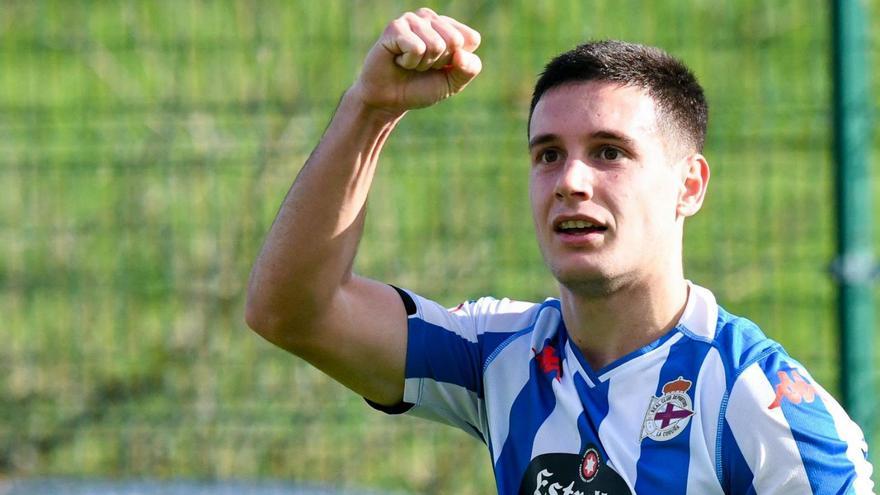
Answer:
[(575, 180)]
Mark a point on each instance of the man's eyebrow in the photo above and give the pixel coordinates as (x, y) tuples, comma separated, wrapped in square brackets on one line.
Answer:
[(603, 134), (614, 136), (541, 139)]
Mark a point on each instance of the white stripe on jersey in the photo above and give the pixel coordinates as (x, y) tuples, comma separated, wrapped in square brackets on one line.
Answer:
[(764, 444), (559, 432), (574, 365), (459, 323), (447, 403), (502, 315), (507, 383), (654, 357), (626, 407)]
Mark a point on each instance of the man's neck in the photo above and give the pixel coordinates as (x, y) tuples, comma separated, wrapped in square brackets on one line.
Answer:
[(609, 326)]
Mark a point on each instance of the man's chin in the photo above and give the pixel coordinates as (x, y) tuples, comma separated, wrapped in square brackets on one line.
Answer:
[(592, 282)]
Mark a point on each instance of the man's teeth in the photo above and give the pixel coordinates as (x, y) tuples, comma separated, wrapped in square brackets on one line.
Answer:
[(576, 224)]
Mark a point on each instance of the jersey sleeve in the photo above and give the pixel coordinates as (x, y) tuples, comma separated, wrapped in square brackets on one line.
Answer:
[(782, 433), (447, 350)]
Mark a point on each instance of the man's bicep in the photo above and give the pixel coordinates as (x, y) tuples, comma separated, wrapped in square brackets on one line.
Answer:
[(361, 340)]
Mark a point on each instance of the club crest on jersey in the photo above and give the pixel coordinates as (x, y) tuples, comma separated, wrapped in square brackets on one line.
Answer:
[(669, 414)]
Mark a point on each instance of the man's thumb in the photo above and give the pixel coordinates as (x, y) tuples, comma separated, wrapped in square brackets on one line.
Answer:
[(464, 67)]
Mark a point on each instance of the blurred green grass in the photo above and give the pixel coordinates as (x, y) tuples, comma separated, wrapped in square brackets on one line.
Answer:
[(144, 149)]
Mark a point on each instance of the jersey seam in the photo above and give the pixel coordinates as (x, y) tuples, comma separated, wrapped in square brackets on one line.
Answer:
[(510, 339), (693, 335), (722, 411)]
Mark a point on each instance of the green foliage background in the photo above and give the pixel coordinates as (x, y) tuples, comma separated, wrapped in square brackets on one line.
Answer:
[(144, 149)]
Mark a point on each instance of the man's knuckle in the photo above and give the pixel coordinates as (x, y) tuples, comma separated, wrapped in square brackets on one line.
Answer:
[(456, 40), (435, 47), (475, 37), (396, 26), (419, 48), (411, 18)]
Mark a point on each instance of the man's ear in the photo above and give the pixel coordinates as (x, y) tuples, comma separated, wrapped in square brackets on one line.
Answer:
[(694, 182)]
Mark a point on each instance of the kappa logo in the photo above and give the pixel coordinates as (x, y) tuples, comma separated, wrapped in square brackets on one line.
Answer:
[(669, 414), (794, 388), (548, 361)]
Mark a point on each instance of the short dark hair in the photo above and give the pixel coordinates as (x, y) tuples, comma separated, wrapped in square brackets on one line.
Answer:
[(680, 102)]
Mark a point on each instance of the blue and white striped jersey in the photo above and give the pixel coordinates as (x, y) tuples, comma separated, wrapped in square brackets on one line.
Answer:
[(713, 407)]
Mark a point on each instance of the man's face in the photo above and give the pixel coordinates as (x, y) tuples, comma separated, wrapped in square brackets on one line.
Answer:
[(604, 187)]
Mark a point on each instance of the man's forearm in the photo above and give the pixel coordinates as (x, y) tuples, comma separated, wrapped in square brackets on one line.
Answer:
[(302, 294), (311, 246)]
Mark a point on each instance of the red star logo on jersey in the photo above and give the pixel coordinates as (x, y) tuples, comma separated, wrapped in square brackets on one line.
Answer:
[(590, 465), (548, 361)]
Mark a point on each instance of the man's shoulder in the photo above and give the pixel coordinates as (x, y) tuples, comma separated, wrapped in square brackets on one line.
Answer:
[(507, 315), (487, 314), (740, 341), (506, 305)]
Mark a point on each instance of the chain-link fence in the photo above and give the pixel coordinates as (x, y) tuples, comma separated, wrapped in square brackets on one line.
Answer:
[(144, 149)]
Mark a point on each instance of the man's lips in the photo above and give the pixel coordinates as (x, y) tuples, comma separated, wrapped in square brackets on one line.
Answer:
[(577, 226)]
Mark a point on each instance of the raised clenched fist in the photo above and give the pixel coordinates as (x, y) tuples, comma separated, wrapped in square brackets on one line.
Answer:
[(421, 58)]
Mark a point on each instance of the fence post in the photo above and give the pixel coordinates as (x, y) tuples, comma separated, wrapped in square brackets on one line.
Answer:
[(854, 268)]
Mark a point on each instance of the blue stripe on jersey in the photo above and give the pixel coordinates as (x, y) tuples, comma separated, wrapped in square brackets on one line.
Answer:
[(443, 356), (742, 342), (822, 451), (737, 476), (530, 409), (663, 465), (595, 402)]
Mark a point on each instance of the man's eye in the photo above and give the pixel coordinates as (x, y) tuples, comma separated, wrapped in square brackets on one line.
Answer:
[(610, 154), (548, 156)]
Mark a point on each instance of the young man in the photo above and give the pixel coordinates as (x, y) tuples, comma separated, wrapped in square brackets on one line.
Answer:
[(634, 380)]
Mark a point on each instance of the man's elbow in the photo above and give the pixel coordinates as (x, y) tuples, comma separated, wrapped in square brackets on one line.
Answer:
[(253, 316), (276, 322), (265, 317), (260, 319)]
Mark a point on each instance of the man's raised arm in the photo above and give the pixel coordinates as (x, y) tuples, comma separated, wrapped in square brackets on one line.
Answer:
[(302, 294)]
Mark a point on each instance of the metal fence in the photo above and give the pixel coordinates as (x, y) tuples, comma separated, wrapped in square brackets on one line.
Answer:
[(144, 149)]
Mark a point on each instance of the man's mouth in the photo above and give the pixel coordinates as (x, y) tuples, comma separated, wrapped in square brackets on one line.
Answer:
[(579, 227)]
